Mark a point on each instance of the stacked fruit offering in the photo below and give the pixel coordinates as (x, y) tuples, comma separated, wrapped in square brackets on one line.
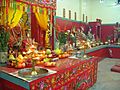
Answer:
[(17, 62), (41, 57)]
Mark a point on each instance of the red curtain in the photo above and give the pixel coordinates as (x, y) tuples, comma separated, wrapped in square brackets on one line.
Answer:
[(36, 32)]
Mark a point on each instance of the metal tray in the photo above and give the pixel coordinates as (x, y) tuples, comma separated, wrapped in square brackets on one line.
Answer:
[(26, 73)]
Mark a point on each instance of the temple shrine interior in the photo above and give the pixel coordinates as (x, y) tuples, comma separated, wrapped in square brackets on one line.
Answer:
[(59, 45)]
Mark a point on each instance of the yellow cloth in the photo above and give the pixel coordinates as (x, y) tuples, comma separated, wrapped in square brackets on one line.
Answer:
[(12, 18), (42, 18)]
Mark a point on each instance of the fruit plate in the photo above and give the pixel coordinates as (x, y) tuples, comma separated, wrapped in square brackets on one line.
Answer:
[(27, 72)]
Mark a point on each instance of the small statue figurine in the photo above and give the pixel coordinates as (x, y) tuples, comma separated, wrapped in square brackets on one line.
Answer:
[(82, 33), (90, 35)]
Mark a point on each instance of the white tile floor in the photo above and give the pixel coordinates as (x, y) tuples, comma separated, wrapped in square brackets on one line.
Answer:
[(106, 79)]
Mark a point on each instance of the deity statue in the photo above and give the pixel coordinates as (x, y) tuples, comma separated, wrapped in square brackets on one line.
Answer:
[(90, 35), (82, 33)]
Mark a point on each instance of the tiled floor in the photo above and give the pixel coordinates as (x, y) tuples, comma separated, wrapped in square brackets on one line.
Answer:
[(107, 80)]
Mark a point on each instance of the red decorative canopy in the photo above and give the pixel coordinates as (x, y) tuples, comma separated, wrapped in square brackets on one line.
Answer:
[(41, 3)]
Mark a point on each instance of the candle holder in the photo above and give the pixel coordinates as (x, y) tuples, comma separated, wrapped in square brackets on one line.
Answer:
[(84, 55), (34, 72), (84, 47)]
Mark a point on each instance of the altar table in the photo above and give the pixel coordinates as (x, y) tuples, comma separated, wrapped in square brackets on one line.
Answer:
[(71, 74)]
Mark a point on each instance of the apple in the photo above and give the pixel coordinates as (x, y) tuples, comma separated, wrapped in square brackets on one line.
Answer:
[(19, 65), (48, 51), (23, 65), (47, 64), (41, 62), (46, 59), (60, 56), (58, 51)]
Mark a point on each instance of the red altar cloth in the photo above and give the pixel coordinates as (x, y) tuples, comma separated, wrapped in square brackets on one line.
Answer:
[(72, 74)]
